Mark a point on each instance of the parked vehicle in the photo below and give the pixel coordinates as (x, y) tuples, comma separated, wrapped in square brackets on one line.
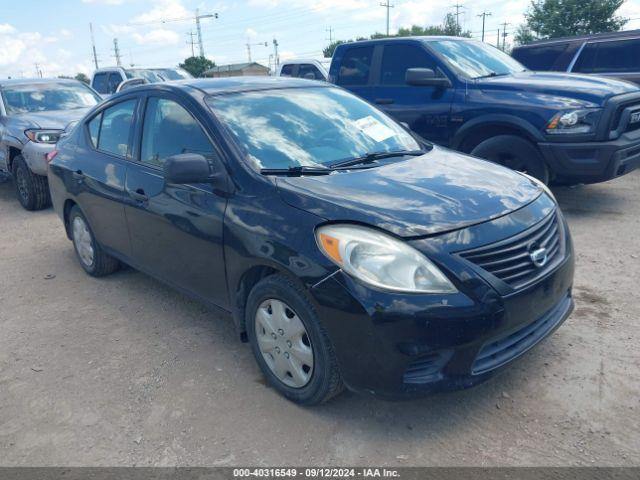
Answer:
[(305, 68), (348, 251), (474, 98), (613, 54), (109, 80), (34, 113)]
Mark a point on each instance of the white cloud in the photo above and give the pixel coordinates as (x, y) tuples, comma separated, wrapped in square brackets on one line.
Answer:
[(164, 10), (105, 2), (158, 36)]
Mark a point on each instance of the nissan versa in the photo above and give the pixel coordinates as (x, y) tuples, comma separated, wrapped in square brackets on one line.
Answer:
[(348, 251)]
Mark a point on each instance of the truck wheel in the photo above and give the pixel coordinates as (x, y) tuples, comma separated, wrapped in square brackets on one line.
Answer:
[(32, 189), (289, 343), (515, 153), (92, 257)]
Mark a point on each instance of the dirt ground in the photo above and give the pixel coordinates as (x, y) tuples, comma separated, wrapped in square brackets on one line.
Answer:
[(125, 371)]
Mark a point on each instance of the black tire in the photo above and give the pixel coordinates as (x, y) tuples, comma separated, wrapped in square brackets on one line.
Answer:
[(102, 263), (326, 381), (32, 190), (515, 153)]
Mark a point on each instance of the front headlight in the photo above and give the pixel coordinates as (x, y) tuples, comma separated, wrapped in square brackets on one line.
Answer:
[(381, 260), (574, 121), (43, 136)]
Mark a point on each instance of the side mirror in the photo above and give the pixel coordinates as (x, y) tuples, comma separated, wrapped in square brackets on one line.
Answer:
[(425, 77), (132, 82), (188, 168)]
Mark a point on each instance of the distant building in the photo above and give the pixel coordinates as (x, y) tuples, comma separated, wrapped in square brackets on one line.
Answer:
[(237, 70)]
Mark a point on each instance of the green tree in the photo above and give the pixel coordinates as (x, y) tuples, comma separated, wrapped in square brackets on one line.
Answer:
[(196, 66), (82, 78), (560, 18), (329, 49), (524, 35)]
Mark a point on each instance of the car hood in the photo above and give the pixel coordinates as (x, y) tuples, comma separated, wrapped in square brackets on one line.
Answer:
[(434, 193), (584, 87), (53, 119)]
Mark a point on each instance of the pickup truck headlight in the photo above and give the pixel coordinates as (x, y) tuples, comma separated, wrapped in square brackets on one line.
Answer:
[(381, 260), (574, 122), (44, 136)]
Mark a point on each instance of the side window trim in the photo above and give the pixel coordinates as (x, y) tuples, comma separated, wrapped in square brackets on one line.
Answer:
[(576, 57), (103, 108)]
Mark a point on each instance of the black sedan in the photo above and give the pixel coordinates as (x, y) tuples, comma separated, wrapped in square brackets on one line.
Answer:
[(348, 251)]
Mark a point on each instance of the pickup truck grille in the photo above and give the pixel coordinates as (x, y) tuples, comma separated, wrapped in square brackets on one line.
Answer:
[(622, 119), (514, 261)]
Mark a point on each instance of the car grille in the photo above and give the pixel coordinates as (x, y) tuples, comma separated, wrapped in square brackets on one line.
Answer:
[(621, 126), (498, 352), (511, 260)]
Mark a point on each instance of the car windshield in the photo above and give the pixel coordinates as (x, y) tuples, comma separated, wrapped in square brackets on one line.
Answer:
[(307, 126), (149, 75), (173, 73), (476, 59), (43, 97)]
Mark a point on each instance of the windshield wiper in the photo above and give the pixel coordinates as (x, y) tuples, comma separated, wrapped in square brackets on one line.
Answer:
[(491, 74), (372, 157), (296, 171)]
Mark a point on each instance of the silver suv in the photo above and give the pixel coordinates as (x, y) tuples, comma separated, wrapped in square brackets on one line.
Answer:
[(33, 116)]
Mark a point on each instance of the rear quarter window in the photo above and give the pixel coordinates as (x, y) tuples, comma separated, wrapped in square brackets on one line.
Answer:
[(100, 82), (544, 57), (617, 56)]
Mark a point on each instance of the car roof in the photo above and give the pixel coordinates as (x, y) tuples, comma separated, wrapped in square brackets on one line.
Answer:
[(417, 38), (30, 81), (578, 38), (216, 86)]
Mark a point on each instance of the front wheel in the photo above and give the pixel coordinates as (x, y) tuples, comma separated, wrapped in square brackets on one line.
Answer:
[(515, 153), (289, 343), (32, 190)]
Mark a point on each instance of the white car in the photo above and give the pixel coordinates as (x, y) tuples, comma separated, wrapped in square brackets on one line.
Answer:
[(305, 68), (109, 80)]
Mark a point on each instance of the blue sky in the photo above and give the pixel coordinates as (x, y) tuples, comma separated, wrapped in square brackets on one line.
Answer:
[(56, 34)]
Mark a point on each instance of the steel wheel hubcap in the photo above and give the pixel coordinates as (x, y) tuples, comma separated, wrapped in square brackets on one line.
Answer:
[(284, 343), (82, 241)]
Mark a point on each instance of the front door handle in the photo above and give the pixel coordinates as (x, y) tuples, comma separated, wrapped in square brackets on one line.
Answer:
[(139, 195), (78, 175), (384, 101)]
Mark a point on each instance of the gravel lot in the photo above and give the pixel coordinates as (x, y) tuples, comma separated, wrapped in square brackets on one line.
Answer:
[(125, 371)]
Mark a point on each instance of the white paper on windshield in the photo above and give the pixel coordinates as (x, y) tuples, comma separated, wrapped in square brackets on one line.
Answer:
[(374, 128)]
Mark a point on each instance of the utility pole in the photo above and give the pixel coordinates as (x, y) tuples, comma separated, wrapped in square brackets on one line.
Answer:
[(249, 45), (38, 70), (388, 6), (498, 41), (330, 30), (504, 35), (192, 42), (199, 30), (484, 15), (276, 58), (93, 45), (458, 7), (116, 52)]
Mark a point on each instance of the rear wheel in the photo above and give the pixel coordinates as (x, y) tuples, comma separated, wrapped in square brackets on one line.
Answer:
[(289, 343), (515, 153), (32, 190), (92, 257)]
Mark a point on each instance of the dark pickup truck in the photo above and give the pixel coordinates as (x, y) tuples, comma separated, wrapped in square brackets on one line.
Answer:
[(472, 97)]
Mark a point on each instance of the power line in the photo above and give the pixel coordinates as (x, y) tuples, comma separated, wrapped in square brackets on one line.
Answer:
[(388, 6)]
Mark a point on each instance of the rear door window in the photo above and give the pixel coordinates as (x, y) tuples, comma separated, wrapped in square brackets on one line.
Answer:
[(115, 130), (355, 66), (287, 70), (618, 56), (100, 82), (396, 59), (311, 72)]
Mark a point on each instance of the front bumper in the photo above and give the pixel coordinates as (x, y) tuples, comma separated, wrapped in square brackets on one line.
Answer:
[(592, 162), (402, 345), (35, 154)]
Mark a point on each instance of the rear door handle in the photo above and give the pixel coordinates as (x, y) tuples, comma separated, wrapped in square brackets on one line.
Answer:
[(384, 101), (139, 195), (78, 175)]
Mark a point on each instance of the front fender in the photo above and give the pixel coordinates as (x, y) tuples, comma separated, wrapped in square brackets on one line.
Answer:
[(495, 120)]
